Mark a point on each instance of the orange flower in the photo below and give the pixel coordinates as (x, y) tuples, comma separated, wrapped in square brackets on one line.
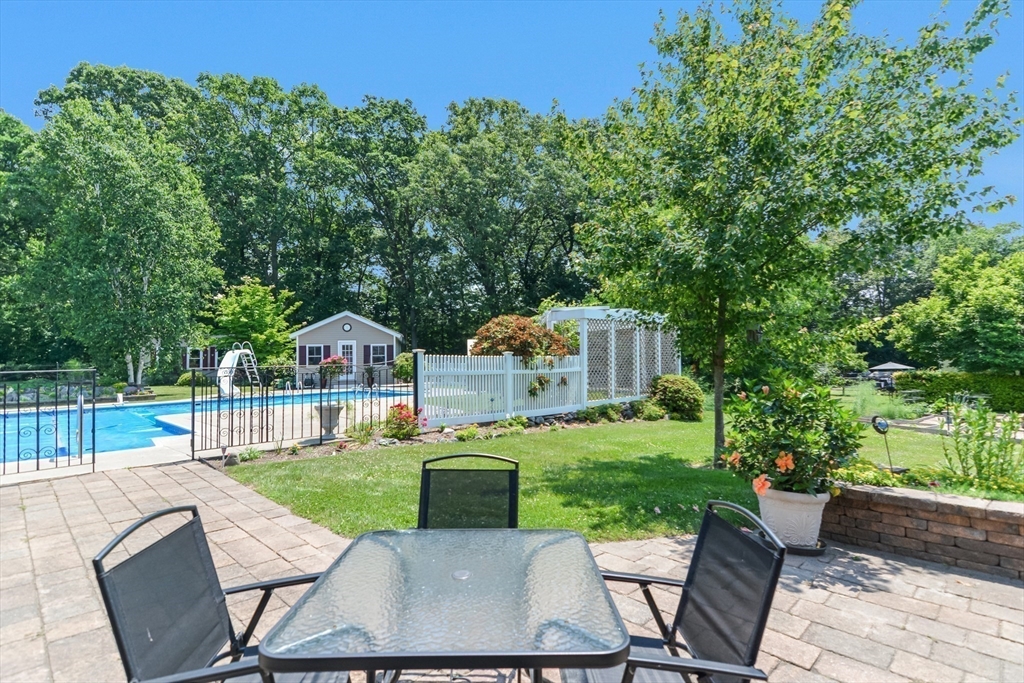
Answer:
[(764, 390), (784, 461), (761, 485), (728, 442), (734, 459), (743, 395)]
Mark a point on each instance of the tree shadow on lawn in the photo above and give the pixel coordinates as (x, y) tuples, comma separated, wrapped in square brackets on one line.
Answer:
[(646, 495)]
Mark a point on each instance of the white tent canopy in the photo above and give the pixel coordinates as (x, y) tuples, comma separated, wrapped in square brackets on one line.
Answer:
[(890, 367)]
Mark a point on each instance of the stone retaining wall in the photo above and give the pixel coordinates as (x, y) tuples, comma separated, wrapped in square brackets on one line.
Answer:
[(984, 535)]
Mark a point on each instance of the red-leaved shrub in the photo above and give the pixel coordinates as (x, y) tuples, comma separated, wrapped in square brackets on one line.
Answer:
[(519, 335)]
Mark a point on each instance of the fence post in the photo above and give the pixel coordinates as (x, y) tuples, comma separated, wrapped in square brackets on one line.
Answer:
[(584, 373), (612, 336), (418, 393), (509, 366), (636, 359)]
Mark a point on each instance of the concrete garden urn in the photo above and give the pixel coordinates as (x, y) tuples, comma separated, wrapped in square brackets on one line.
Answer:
[(794, 517), (329, 414)]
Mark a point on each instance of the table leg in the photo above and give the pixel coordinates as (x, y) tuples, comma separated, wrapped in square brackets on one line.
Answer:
[(537, 676), (371, 676)]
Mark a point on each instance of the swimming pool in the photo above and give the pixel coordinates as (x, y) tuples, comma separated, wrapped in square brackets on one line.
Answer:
[(54, 433)]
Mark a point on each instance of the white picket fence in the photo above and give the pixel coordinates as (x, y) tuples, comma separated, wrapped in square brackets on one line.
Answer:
[(462, 389)]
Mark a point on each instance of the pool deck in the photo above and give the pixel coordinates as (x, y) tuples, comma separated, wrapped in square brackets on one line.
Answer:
[(853, 615)]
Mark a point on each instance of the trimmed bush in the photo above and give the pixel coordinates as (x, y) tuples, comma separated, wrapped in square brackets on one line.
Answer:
[(402, 369), (680, 396), (1006, 392), (119, 387), (648, 410), (185, 379), (467, 434)]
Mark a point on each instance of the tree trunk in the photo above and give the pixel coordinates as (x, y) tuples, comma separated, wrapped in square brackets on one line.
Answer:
[(142, 365), (131, 367), (718, 366)]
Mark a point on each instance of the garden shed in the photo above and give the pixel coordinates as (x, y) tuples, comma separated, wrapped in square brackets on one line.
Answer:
[(359, 340)]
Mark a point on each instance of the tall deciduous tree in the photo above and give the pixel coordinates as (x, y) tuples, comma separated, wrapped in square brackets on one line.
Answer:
[(129, 254), (380, 141), (501, 189), (748, 142), (974, 319)]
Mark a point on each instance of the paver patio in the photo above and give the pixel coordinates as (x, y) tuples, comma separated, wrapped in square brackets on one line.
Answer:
[(851, 615)]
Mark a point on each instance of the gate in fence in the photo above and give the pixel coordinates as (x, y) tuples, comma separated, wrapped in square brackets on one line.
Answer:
[(283, 405), (49, 419)]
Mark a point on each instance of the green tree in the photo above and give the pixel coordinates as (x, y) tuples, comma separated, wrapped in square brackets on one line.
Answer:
[(974, 319), (752, 146), (149, 95), (255, 313), (380, 141), (501, 188), (128, 256)]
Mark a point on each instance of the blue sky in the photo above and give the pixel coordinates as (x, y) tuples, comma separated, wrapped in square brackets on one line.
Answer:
[(582, 54)]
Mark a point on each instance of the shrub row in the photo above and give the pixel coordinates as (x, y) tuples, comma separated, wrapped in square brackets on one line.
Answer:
[(1006, 392)]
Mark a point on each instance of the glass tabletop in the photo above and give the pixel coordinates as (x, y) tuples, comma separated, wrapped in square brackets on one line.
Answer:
[(443, 598)]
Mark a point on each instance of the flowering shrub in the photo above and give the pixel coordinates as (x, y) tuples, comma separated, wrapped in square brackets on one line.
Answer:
[(334, 366), (519, 335), (789, 436), (402, 422)]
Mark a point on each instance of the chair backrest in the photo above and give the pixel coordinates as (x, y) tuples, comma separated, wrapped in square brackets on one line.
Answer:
[(165, 602), (729, 589), (469, 498)]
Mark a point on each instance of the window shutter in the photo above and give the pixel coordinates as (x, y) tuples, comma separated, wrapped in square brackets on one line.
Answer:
[(391, 353), (366, 354), (184, 360), (302, 355), (208, 360), (326, 352)]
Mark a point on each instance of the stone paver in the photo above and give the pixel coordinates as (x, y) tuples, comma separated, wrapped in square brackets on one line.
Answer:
[(850, 615)]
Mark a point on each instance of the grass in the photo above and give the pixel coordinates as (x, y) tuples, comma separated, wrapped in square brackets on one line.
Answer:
[(171, 392), (866, 401), (610, 482), (604, 481)]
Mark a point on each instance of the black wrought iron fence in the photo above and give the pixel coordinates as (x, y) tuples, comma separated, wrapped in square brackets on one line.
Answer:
[(49, 419), (287, 404)]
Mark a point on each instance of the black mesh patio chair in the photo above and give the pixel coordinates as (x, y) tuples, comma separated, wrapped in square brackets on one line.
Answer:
[(469, 498), (717, 629), (169, 613)]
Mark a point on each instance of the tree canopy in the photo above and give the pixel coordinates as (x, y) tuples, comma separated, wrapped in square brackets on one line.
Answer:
[(761, 152)]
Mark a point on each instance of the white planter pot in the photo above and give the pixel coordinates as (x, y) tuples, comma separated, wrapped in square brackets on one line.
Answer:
[(794, 517), (329, 415)]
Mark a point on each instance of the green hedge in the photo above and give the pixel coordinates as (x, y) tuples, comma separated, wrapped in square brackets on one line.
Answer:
[(1006, 392)]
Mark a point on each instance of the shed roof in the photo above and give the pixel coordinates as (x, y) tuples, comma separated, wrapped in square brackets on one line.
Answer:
[(366, 321)]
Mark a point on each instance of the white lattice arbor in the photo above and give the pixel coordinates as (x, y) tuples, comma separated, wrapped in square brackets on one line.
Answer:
[(621, 350)]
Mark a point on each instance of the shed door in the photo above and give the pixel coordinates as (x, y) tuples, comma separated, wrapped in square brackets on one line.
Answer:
[(347, 350)]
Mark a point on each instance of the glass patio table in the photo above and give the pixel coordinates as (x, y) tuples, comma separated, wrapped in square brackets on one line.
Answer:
[(453, 598)]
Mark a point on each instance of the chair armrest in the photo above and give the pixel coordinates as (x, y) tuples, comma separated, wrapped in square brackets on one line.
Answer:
[(274, 583), (702, 667), (211, 673), (268, 589), (641, 578)]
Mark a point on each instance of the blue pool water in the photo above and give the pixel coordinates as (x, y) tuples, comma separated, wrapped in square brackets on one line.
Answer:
[(54, 433)]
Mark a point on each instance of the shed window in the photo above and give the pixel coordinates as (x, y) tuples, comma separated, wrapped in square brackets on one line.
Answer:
[(378, 354), (314, 354)]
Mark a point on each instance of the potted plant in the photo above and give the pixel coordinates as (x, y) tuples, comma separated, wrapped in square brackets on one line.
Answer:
[(788, 438), (334, 366)]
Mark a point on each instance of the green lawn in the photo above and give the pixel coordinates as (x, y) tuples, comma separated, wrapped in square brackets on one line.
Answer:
[(604, 481), (171, 392)]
